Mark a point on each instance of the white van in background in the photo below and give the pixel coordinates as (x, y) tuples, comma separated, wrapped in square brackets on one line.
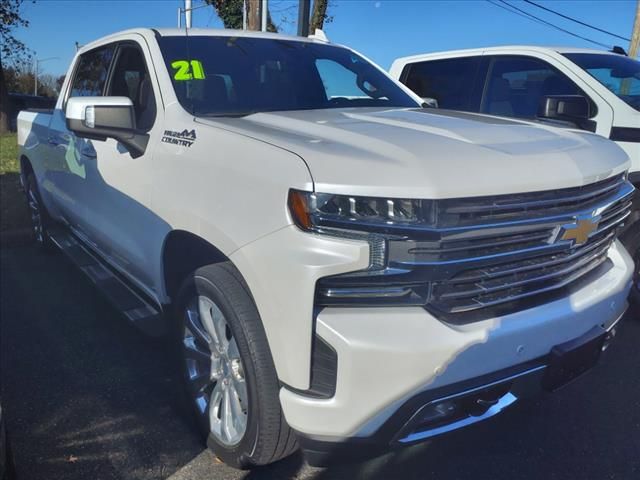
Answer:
[(587, 89)]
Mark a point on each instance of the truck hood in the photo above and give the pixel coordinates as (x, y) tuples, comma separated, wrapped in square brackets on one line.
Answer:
[(424, 153)]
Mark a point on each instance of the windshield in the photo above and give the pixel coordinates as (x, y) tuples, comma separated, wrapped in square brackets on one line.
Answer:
[(220, 76), (618, 73)]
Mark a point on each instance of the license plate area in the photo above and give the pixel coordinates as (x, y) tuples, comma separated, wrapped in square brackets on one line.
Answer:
[(570, 360)]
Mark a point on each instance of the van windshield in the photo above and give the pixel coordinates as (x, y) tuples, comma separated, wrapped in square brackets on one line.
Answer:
[(618, 73), (236, 76)]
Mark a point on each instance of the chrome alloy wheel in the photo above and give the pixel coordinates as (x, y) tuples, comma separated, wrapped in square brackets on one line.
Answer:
[(214, 371), (36, 214)]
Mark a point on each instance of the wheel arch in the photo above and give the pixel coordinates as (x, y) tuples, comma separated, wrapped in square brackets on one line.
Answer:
[(25, 168), (182, 253)]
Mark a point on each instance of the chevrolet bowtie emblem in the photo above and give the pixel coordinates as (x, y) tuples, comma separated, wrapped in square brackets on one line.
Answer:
[(579, 232)]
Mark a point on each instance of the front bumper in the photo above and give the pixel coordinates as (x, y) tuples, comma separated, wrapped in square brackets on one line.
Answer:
[(393, 361)]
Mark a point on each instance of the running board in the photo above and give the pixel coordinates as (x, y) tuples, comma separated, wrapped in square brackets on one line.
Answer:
[(141, 312)]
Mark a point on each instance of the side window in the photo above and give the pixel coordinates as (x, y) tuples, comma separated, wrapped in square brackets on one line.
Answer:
[(450, 81), (130, 78), (516, 86), (91, 72)]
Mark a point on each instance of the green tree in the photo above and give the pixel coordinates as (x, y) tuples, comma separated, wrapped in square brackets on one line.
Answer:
[(12, 51)]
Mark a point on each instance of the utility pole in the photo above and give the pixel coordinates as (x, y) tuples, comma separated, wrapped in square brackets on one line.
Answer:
[(264, 11), (244, 14), (303, 18), (634, 45), (187, 13), (36, 66), (253, 15)]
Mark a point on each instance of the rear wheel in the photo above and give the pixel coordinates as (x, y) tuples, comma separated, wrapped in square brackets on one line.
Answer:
[(228, 370)]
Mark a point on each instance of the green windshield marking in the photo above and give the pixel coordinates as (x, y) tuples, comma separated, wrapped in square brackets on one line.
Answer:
[(188, 70)]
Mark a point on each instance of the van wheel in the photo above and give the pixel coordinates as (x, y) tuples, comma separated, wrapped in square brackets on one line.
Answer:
[(40, 219), (228, 370)]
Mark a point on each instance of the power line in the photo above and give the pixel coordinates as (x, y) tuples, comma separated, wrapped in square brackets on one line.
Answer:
[(530, 16), (514, 12), (577, 21)]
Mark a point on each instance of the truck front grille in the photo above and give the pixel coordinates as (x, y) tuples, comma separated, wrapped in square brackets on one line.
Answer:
[(507, 266), (493, 251)]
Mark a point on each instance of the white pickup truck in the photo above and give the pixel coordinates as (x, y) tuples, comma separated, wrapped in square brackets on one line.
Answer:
[(592, 90), (341, 269)]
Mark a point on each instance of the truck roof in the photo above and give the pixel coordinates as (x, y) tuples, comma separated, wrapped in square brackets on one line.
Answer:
[(503, 48), (212, 32)]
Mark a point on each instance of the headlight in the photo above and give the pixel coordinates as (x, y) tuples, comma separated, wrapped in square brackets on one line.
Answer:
[(378, 221), (320, 211)]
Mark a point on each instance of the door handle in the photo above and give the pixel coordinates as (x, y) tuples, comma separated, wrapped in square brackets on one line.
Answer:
[(88, 152), (57, 140)]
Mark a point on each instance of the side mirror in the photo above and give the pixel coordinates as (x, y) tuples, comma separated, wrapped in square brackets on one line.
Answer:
[(573, 108), (99, 118), (429, 102)]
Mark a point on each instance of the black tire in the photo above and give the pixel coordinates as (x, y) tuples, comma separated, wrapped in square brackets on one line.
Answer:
[(267, 437), (40, 219)]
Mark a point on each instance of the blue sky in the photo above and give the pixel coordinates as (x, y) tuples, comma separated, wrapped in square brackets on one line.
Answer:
[(380, 29)]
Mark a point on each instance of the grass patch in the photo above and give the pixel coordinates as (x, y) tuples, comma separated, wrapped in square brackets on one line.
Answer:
[(9, 154), (15, 224)]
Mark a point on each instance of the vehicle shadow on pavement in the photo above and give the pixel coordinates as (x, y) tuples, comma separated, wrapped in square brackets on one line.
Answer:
[(86, 396)]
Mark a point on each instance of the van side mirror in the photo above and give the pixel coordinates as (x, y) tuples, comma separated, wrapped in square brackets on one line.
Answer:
[(99, 118)]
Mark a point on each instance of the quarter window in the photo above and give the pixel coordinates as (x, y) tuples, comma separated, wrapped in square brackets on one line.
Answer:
[(91, 73)]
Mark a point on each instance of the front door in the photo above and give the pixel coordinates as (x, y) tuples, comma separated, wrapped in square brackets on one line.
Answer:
[(119, 218)]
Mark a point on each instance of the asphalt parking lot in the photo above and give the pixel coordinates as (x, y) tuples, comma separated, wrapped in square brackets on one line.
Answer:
[(87, 397)]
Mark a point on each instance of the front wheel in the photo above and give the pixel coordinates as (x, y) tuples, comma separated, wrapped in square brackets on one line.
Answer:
[(228, 369)]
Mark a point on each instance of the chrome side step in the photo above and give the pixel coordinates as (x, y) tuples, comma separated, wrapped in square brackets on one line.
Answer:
[(140, 311)]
